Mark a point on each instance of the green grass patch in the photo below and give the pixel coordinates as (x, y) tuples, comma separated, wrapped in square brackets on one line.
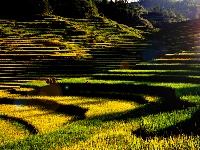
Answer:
[(153, 123), (96, 132), (191, 98)]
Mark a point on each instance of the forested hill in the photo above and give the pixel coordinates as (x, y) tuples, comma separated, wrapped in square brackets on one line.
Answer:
[(144, 13), (174, 8), (177, 37), (65, 8), (119, 11), (148, 13), (162, 12)]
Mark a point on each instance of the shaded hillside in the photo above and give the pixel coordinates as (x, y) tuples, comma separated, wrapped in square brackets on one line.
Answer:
[(124, 13), (177, 36), (173, 10)]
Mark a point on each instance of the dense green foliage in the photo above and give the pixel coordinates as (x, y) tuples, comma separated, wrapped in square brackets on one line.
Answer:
[(158, 13), (74, 8), (146, 13), (69, 8), (123, 12)]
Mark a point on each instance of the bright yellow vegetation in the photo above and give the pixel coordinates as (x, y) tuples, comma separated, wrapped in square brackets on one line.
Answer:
[(9, 132), (42, 120), (47, 121), (114, 134), (124, 140)]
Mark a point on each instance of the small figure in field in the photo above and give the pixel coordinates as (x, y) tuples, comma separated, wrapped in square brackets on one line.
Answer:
[(51, 81), (86, 83), (54, 80), (48, 81)]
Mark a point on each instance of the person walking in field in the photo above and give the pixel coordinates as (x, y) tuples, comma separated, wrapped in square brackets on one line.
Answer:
[(51, 81), (48, 81), (54, 80)]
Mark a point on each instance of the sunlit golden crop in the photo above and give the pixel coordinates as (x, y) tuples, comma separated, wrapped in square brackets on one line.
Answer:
[(9, 132)]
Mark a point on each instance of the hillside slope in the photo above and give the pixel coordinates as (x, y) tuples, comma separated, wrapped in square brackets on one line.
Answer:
[(50, 45), (176, 37)]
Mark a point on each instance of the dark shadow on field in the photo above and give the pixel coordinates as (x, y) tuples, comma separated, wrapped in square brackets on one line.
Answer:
[(13, 91), (189, 127), (154, 78), (78, 89), (188, 91), (117, 91), (89, 91), (28, 126), (73, 67), (70, 110), (128, 92), (6, 101), (165, 105), (122, 96)]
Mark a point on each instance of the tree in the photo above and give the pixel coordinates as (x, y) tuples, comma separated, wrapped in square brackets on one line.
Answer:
[(122, 11), (74, 8)]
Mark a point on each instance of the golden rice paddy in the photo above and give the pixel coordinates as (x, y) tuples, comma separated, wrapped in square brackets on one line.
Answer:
[(110, 135)]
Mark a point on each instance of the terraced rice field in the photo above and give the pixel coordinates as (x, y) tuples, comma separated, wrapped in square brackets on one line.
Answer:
[(154, 105), (142, 114), (77, 46)]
